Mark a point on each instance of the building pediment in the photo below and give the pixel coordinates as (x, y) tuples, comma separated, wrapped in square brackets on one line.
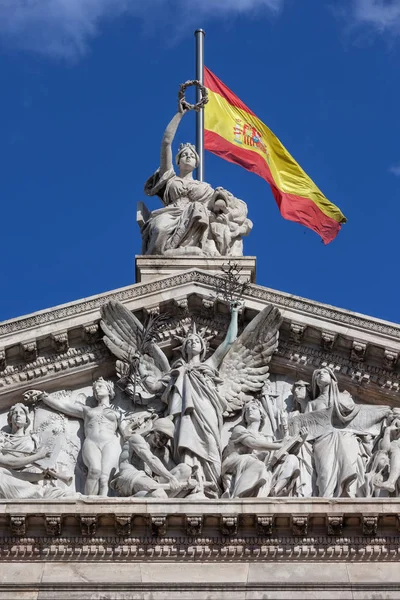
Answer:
[(64, 343)]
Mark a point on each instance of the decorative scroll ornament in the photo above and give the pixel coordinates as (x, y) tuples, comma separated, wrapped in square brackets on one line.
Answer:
[(204, 95)]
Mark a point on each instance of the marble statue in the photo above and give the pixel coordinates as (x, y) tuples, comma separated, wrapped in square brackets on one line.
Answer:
[(196, 219), (336, 428), (102, 424), (22, 474), (247, 468), (198, 390), (146, 467), (389, 451), (306, 479), (208, 423)]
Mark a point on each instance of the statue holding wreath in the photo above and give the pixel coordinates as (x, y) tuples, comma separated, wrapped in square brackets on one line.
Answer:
[(196, 219)]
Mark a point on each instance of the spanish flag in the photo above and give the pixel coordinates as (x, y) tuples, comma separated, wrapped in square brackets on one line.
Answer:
[(233, 132)]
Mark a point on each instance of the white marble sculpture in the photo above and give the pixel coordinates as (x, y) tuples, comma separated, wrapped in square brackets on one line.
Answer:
[(388, 454), (337, 427), (146, 466), (196, 219), (197, 390), (102, 423), (306, 480), (210, 423), (250, 467), (23, 473)]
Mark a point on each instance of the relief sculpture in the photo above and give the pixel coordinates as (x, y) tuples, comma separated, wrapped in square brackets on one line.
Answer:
[(101, 446), (205, 423), (25, 464)]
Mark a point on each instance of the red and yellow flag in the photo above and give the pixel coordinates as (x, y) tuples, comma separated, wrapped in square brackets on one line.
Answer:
[(233, 132)]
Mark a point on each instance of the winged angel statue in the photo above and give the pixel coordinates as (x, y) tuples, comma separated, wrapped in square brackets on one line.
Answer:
[(197, 392)]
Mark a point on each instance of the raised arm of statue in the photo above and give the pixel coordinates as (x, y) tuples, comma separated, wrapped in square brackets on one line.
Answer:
[(64, 405), (168, 138), (231, 335)]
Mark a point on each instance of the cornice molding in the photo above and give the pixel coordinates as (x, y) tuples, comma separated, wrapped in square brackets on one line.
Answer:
[(255, 292), (251, 530), (223, 549), (380, 376)]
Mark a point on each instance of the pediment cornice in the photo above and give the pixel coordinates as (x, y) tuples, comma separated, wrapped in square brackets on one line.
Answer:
[(141, 291), (65, 341)]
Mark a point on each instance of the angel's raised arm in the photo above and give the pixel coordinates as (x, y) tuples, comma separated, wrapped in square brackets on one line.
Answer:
[(231, 335), (244, 370)]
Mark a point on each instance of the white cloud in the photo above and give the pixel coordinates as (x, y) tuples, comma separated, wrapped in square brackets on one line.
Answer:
[(395, 170), (64, 28), (382, 15)]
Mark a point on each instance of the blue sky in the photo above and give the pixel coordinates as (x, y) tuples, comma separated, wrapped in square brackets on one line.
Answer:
[(88, 87)]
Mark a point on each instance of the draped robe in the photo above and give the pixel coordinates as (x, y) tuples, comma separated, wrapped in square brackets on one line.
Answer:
[(197, 408), (184, 220), (12, 482)]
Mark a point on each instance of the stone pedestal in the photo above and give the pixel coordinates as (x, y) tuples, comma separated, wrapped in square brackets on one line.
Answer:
[(152, 268)]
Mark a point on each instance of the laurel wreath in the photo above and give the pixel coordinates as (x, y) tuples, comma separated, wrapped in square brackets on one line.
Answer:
[(201, 102)]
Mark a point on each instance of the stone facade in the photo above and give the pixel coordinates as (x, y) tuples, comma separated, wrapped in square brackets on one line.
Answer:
[(81, 545)]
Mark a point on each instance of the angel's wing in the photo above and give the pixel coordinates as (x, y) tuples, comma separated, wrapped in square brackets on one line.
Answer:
[(122, 332), (245, 369)]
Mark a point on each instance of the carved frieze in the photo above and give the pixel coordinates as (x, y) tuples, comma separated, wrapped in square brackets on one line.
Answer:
[(194, 525), (18, 524), (47, 366), (377, 378), (53, 524), (370, 525), (123, 525), (257, 542), (180, 411), (264, 524), (358, 351), (60, 342), (299, 524), (29, 351), (229, 524), (296, 332), (334, 525), (158, 525), (91, 333), (137, 291), (328, 340), (88, 524), (390, 359)]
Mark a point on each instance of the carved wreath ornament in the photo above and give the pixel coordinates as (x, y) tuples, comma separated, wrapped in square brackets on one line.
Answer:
[(203, 91)]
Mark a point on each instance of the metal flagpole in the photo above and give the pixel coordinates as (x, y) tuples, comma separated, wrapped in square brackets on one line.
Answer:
[(199, 35)]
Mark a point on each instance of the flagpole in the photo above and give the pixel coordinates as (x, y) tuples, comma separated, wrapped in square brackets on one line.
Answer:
[(199, 35)]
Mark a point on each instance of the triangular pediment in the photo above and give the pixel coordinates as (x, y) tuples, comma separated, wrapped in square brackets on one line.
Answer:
[(64, 343)]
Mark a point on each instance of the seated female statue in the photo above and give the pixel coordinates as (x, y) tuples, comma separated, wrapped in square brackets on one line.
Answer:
[(196, 219), (21, 476)]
